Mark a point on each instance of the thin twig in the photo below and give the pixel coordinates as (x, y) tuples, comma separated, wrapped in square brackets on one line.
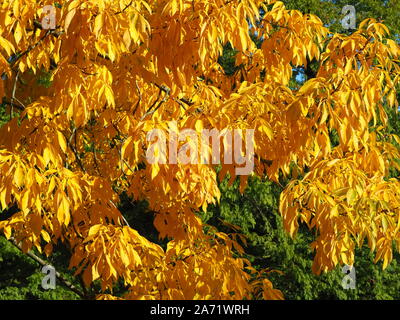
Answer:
[(123, 218), (14, 105), (126, 7), (74, 150), (166, 96), (30, 48), (43, 263), (13, 94), (140, 98), (155, 101)]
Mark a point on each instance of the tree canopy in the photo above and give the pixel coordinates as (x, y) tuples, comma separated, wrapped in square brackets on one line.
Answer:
[(113, 71)]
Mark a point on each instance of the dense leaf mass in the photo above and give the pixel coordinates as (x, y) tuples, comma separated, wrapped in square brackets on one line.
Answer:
[(118, 69)]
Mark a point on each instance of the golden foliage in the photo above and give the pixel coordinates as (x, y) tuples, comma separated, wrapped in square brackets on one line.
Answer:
[(121, 68)]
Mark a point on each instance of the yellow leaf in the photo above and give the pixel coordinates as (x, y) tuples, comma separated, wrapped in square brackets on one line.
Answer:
[(25, 201), (94, 229), (62, 142), (63, 214), (16, 8), (95, 272), (199, 125), (70, 15), (45, 236), (109, 95), (3, 195), (7, 45), (98, 24), (19, 176), (155, 169), (243, 38), (127, 147), (348, 67), (51, 185), (18, 33), (267, 130), (7, 231), (309, 86), (351, 195), (47, 155)]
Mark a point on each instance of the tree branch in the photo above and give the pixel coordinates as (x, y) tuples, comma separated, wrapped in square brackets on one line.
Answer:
[(126, 7), (139, 99), (43, 263), (14, 105), (150, 111)]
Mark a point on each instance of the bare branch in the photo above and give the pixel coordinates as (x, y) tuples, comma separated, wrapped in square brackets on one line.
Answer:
[(13, 94), (43, 263), (140, 98), (14, 105), (166, 96), (124, 9)]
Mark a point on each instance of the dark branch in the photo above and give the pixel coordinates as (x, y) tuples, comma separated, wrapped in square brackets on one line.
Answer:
[(43, 263)]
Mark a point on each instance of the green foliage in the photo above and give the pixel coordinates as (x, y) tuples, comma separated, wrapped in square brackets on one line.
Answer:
[(256, 213), (227, 60), (3, 115), (330, 12), (21, 277)]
